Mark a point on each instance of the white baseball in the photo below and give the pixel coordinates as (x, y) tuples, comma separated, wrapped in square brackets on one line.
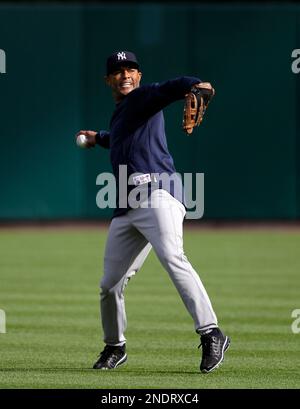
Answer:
[(81, 141)]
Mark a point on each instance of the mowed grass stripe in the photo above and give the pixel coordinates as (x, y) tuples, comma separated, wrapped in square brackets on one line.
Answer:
[(49, 290)]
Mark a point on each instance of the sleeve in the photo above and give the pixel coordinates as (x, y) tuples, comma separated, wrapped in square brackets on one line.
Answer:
[(150, 99), (102, 139), (174, 89)]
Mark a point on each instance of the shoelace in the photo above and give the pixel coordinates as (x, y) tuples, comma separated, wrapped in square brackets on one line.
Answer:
[(210, 345), (107, 351)]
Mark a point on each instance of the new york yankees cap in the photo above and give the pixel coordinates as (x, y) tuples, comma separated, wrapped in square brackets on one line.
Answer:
[(120, 58)]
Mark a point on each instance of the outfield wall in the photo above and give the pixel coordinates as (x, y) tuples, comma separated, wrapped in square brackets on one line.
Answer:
[(248, 146)]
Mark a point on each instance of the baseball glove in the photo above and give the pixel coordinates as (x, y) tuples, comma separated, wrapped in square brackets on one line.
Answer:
[(195, 105)]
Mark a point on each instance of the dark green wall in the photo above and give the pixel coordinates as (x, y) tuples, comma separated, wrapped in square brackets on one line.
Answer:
[(246, 146)]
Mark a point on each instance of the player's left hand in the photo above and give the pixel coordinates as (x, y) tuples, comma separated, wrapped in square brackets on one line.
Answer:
[(195, 105)]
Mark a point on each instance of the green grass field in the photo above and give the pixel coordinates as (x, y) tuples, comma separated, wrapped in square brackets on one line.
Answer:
[(49, 289)]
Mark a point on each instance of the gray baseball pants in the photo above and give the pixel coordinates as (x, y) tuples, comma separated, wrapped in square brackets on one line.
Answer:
[(130, 239)]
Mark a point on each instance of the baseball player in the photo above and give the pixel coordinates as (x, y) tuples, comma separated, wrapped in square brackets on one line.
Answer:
[(137, 139)]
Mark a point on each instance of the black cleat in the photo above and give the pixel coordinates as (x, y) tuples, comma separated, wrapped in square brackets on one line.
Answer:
[(214, 346), (111, 357)]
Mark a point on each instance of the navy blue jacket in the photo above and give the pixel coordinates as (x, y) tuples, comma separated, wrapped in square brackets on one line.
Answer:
[(137, 133)]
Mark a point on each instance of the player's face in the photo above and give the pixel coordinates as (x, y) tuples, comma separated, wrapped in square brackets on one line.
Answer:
[(124, 80)]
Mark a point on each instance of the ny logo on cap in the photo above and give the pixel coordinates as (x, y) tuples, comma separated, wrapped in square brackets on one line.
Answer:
[(121, 56)]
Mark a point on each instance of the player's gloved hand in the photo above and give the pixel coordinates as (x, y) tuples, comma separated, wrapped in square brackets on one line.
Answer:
[(195, 105), (91, 138)]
